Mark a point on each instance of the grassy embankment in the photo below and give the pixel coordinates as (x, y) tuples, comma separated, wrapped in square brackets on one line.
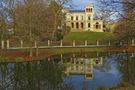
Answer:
[(90, 36)]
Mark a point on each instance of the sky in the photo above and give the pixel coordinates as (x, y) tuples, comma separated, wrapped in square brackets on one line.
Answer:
[(80, 4)]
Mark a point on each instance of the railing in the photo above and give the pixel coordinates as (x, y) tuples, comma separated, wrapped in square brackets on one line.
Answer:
[(9, 44)]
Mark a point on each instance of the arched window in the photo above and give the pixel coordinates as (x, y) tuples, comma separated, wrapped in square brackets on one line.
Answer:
[(87, 9), (88, 25), (72, 25), (91, 9), (77, 25), (81, 24), (97, 25)]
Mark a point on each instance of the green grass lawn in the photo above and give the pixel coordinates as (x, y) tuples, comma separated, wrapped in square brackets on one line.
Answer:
[(90, 36)]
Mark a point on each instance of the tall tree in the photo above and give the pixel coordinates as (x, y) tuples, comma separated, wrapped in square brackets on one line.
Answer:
[(5, 14), (124, 9), (38, 19)]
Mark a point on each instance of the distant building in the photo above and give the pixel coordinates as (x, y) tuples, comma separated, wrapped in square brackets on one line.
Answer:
[(82, 20)]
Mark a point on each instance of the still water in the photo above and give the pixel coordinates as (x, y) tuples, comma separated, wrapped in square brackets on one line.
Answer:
[(74, 71)]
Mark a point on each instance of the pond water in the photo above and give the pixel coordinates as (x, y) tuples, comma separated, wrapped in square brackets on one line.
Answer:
[(75, 71)]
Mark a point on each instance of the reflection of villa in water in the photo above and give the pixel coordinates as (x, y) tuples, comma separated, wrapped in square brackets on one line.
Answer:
[(82, 66)]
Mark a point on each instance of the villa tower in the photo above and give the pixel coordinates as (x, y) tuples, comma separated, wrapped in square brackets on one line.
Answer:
[(83, 20)]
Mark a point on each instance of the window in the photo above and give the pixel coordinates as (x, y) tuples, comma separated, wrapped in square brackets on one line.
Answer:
[(72, 25), (72, 18), (82, 25), (77, 25), (76, 17), (89, 18), (91, 9), (97, 25), (88, 9), (89, 25)]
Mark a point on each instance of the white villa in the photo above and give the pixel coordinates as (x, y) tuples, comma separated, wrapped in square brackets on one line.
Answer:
[(82, 20)]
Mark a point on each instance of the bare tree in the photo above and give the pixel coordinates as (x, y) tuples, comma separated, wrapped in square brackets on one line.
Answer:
[(29, 15), (38, 19), (56, 8), (31, 19), (5, 14), (125, 15)]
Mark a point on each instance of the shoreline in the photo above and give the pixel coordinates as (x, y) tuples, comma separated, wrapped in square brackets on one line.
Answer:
[(22, 55)]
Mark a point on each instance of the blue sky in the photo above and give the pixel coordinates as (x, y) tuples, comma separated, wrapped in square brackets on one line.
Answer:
[(80, 4)]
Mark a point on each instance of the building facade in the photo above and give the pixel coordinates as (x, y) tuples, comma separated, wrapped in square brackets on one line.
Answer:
[(82, 20)]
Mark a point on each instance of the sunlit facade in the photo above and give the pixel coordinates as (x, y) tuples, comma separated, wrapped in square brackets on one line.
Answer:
[(82, 20)]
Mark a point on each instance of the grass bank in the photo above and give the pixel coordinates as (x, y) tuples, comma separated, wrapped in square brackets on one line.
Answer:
[(90, 36)]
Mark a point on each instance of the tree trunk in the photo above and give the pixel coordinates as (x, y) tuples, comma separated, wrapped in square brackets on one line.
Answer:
[(31, 54), (55, 27)]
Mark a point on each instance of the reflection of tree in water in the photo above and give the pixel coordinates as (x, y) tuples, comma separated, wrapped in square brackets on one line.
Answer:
[(127, 67), (45, 75)]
